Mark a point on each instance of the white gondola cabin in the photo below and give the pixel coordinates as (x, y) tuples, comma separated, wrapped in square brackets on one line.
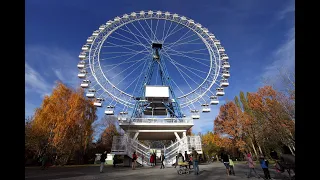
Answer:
[(217, 42), (90, 39), (190, 21), (221, 49), (225, 65), (82, 55), (167, 13), (82, 73), (225, 74), (98, 102), (109, 22), (224, 83), (109, 110), (220, 91), (81, 64), (91, 93), (205, 108), (102, 27), (224, 57), (125, 16), (123, 116), (214, 100), (85, 47), (195, 114), (212, 36), (85, 83), (150, 12), (142, 13), (96, 33), (117, 19)]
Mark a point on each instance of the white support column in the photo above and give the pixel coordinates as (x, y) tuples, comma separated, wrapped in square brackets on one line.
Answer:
[(177, 136), (184, 134), (135, 136)]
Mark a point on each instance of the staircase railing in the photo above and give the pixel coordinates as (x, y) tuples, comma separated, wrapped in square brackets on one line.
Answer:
[(126, 146)]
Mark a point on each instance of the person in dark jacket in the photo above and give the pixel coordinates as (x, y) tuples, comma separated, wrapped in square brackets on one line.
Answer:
[(225, 160), (264, 165), (102, 160), (162, 158)]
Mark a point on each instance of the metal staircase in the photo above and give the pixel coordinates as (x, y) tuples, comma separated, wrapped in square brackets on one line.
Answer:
[(124, 145)]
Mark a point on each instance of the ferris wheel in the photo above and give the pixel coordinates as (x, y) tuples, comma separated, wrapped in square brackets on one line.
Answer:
[(115, 63)]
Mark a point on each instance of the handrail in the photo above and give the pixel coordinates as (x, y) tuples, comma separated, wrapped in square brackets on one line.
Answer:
[(158, 120)]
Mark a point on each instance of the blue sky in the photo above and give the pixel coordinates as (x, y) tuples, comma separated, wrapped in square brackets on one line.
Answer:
[(258, 37)]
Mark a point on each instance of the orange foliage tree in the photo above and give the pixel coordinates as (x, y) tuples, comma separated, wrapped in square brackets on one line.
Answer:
[(229, 124), (63, 123)]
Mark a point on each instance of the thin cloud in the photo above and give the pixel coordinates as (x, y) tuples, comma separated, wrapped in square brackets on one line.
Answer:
[(35, 82), (283, 58), (290, 8)]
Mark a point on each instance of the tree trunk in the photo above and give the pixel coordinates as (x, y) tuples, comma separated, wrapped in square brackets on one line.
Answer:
[(260, 149), (254, 149), (291, 151)]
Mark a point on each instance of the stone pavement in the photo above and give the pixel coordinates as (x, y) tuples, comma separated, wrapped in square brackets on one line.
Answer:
[(213, 171)]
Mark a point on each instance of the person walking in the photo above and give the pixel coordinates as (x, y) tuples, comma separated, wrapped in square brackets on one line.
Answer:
[(134, 159), (231, 166), (251, 166), (102, 160), (162, 158), (264, 165), (175, 164), (195, 161), (225, 160)]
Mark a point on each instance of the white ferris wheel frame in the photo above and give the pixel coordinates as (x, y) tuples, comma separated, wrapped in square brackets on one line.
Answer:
[(122, 97)]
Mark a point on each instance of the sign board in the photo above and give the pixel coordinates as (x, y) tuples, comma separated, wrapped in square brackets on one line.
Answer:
[(157, 92)]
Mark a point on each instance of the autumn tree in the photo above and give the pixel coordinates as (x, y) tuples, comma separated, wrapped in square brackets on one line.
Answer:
[(110, 127), (62, 124), (229, 124)]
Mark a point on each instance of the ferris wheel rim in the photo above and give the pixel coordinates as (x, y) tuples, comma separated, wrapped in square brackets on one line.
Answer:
[(209, 47)]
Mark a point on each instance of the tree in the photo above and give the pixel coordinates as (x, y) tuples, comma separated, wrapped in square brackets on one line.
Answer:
[(62, 124)]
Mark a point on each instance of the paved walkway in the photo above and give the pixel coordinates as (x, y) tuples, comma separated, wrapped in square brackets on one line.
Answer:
[(213, 171)]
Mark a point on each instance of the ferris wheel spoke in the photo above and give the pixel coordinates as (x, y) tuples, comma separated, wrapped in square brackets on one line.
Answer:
[(127, 67), (135, 43), (119, 45), (190, 67), (138, 77), (157, 27), (126, 60), (136, 36), (132, 42), (107, 65), (183, 43), (129, 74), (151, 32), (134, 53), (177, 86), (163, 30), (179, 71), (148, 40), (170, 31), (167, 31), (176, 32), (192, 58), (181, 37), (125, 47), (144, 30), (190, 52), (128, 39), (173, 61)]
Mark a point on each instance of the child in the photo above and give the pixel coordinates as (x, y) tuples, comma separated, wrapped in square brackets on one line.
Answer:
[(264, 165), (231, 165)]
